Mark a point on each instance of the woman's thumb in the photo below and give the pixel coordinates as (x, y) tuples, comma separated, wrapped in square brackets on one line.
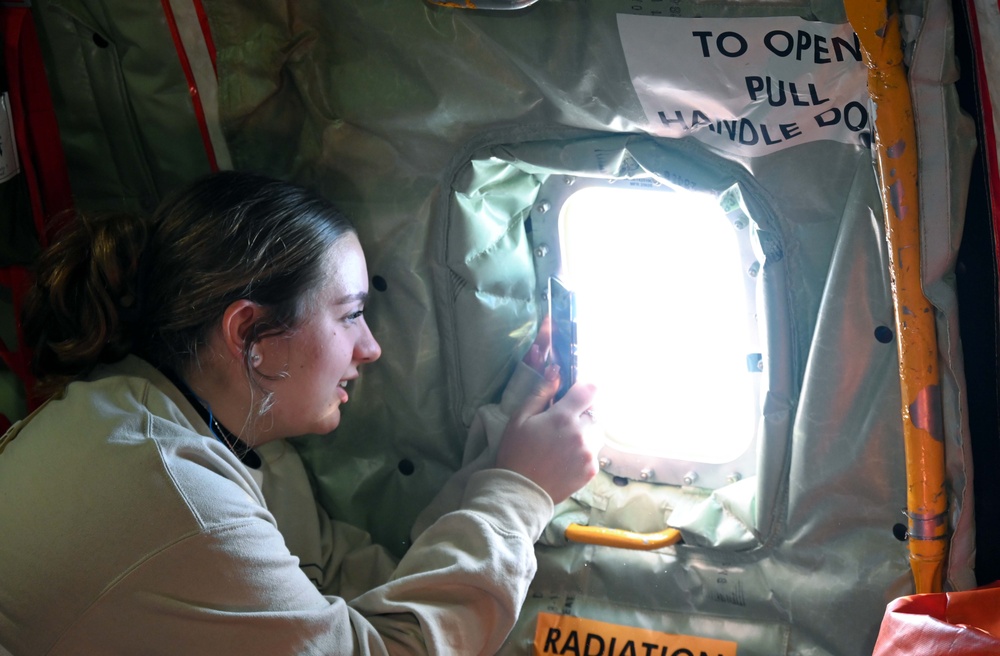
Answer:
[(541, 395)]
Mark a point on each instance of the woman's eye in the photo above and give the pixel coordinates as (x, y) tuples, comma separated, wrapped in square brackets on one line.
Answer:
[(354, 316)]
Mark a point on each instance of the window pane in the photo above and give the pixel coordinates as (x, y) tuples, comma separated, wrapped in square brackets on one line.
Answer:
[(662, 305)]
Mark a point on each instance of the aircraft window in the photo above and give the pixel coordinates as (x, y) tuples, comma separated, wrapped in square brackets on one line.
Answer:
[(685, 359), (666, 329)]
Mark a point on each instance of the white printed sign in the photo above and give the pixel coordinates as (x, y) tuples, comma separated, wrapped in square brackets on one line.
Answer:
[(749, 86), (9, 166)]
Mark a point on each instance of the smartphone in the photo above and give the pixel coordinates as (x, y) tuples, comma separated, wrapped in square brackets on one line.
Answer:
[(562, 312)]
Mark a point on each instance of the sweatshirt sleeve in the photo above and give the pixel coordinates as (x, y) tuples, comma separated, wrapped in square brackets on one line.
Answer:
[(481, 445), (466, 575), (235, 589)]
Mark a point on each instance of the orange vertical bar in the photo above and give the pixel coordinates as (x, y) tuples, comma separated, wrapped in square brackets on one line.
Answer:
[(895, 152)]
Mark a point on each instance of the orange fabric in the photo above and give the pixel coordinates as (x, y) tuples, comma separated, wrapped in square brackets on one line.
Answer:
[(966, 623)]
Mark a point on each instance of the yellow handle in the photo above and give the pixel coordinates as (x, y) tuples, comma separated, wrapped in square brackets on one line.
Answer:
[(613, 537)]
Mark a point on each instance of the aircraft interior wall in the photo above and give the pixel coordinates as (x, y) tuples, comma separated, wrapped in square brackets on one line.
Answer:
[(452, 137)]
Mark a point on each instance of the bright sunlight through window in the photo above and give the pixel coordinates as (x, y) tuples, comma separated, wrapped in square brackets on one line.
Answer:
[(662, 321)]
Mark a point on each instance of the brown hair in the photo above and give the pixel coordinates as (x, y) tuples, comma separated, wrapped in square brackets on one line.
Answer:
[(114, 285)]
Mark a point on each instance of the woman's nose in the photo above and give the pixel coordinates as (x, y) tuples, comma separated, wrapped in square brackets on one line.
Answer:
[(367, 349)]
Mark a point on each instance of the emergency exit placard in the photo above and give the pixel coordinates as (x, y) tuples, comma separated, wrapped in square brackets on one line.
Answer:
[(566, 634), (749, 86)]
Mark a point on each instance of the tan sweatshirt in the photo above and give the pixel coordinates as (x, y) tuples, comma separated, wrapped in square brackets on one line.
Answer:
[(126, 528)]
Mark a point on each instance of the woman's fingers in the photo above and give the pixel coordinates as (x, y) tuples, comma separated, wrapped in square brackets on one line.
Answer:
[(553, 446), (538, 354)]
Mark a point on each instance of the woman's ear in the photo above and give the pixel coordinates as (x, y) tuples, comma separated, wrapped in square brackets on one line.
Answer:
[(237, 322)]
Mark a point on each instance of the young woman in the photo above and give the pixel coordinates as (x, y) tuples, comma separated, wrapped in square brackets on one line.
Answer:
[(152, 506)]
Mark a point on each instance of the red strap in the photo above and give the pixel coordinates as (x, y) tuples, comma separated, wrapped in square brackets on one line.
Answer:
[(199, 111), (17, 357), (16, 279), (206, 32), (43, 162), (986, 107)]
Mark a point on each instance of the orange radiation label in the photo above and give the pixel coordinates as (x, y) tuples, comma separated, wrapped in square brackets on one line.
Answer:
[(565, 634)]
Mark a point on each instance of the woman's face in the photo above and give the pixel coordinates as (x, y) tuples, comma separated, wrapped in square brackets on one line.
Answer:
[(323, 354)]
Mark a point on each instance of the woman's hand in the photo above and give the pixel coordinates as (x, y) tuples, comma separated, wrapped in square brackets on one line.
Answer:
[(556, 447)]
